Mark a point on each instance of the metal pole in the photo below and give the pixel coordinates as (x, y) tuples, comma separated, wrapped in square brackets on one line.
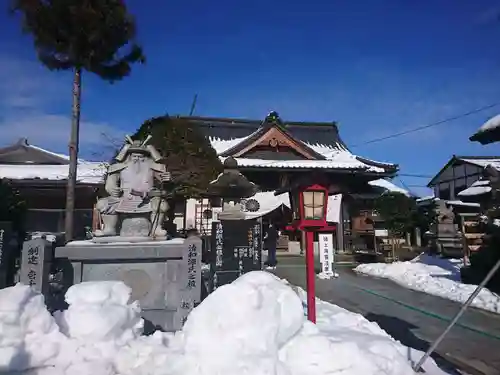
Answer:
[(459, 314), (310, 277)]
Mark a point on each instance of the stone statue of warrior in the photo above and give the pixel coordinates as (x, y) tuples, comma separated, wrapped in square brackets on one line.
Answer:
[(130, 183)]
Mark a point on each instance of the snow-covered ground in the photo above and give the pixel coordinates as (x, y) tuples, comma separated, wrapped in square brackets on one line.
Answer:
[(432, 275), (254, 326)]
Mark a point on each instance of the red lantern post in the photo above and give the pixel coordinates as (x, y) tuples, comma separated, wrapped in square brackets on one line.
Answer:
[(309, 205)]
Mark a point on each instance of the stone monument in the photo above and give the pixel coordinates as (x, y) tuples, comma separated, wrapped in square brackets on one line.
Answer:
[(448, 239), (135, 207), (164, 275), (236, 246)]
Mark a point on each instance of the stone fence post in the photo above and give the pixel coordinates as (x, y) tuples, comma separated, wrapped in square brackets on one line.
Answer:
[(36, 258)]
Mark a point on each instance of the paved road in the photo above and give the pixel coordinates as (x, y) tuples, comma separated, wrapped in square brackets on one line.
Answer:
[(415, 319)]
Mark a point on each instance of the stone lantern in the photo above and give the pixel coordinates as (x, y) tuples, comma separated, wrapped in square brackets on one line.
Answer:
[(232, 187)]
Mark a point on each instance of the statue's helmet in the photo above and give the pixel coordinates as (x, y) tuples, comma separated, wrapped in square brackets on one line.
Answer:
[(138, 147)]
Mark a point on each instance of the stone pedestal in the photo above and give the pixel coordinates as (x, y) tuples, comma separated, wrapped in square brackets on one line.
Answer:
[(165, 276), (135, 226)]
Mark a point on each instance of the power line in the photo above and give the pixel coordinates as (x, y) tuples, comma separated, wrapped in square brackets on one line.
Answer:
[(441, 122), (406, 187)]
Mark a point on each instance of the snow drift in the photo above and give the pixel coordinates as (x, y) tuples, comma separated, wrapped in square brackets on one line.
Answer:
[(254, 326), (432, 275)]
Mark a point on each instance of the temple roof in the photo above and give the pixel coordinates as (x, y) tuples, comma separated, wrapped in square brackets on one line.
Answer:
[(317, 145), (22, 152), (24, 161), (489, 132)]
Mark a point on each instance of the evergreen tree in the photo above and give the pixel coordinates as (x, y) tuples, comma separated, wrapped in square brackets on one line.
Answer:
[(399, 212), (186, 151), (96, 36)]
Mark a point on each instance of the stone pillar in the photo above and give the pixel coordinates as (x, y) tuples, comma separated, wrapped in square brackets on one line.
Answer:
[(190, 280), (35, 264)]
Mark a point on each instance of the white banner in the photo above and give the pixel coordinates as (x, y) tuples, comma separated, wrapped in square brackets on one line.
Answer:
[(326, 253)]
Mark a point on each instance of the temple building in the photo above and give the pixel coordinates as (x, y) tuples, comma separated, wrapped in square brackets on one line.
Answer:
[(269, 152), (272, 152)]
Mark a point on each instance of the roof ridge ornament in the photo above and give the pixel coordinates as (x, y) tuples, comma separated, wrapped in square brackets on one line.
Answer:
[(273, 118)]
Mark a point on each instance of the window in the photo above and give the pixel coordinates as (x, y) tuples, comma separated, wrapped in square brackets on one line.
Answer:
[(314, 205)]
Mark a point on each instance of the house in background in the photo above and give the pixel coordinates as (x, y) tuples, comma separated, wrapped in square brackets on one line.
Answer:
[(41, 176), (459, 174)]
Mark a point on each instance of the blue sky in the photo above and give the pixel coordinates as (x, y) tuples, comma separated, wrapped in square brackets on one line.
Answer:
[(377, 67)]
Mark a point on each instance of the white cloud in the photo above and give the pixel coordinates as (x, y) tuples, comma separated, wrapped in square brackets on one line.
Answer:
[(26, 84), (27, 93), (42, 128)]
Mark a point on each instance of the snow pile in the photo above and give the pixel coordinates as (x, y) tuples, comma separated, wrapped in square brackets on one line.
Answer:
[(254, 326), (432, 275), (29, 337), (344, 328), (100, 312)]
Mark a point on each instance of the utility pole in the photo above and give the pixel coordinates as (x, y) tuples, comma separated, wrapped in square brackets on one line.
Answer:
[(193, 104)]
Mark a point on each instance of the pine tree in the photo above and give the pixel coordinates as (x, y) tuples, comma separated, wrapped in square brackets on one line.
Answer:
[(96, 36)]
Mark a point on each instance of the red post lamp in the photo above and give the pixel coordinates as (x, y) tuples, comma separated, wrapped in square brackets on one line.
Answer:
[(309, 206)]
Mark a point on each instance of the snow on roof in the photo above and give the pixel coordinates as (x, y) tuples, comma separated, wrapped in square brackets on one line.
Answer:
[(491, 124), (494, 162), (25, 143), (460, 203), (336, 157), (479, 187), (62, 156), (88, 172), (269, 202), (341, 160), (222, 145), (325, 150), (385, 184), (426, 198)]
